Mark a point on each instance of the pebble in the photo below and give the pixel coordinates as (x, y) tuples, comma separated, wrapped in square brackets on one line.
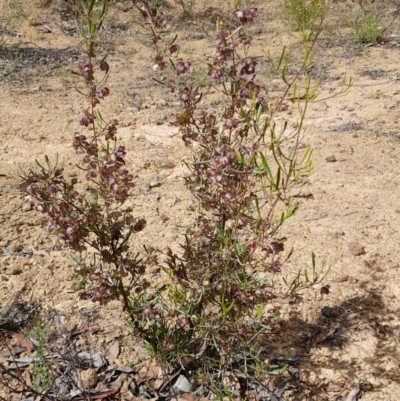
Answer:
[(356, 249), (14, 270), (165, 163), (164, 218), (88, 379), (27, 206), (364, 384), (155, 183), (331, 159)]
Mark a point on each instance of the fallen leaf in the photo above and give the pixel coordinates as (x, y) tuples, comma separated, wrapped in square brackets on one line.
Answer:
[(24, 342), (125, 391), (20, 363), (334, 388), (99, 396), (85, 323), (323, 335), (13, 351), (353, 395), (113, 353), (27, 377), (154, 372), (341, 279), (190, 397), (285, 300), (15, 396)]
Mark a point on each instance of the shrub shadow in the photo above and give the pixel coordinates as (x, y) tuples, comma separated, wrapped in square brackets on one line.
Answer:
[(20, 64), (360, 328)]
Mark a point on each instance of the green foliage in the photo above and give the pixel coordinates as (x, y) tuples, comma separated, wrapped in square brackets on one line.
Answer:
[(200, 78), (43, 376), (304, 14), (212, 316), (244, 163), (91, 218), (366, 29), (187, 9)]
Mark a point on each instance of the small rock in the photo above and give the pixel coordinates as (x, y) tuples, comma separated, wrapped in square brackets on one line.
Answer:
[(352, 280), (155, 183), (350, 109), (27, 206), (14, 270), (356, 249), (165, 163), (88, 379), (164, 218), (331, 159), (364, 384)]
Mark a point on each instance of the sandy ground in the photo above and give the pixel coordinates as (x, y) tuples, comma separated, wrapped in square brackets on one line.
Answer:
[(352, 198)]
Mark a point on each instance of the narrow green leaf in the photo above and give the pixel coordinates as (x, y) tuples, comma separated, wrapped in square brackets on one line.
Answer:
[(282, 57), (278, 372)]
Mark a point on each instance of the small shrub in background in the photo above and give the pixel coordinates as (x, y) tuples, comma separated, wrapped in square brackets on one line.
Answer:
[(187, 9), (304, 14), (366, 29), (42, 372)]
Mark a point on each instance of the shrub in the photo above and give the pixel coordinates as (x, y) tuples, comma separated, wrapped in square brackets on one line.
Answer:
[(89, 217), (304, 14), (366, 29), (212, 319), (246, 160)]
